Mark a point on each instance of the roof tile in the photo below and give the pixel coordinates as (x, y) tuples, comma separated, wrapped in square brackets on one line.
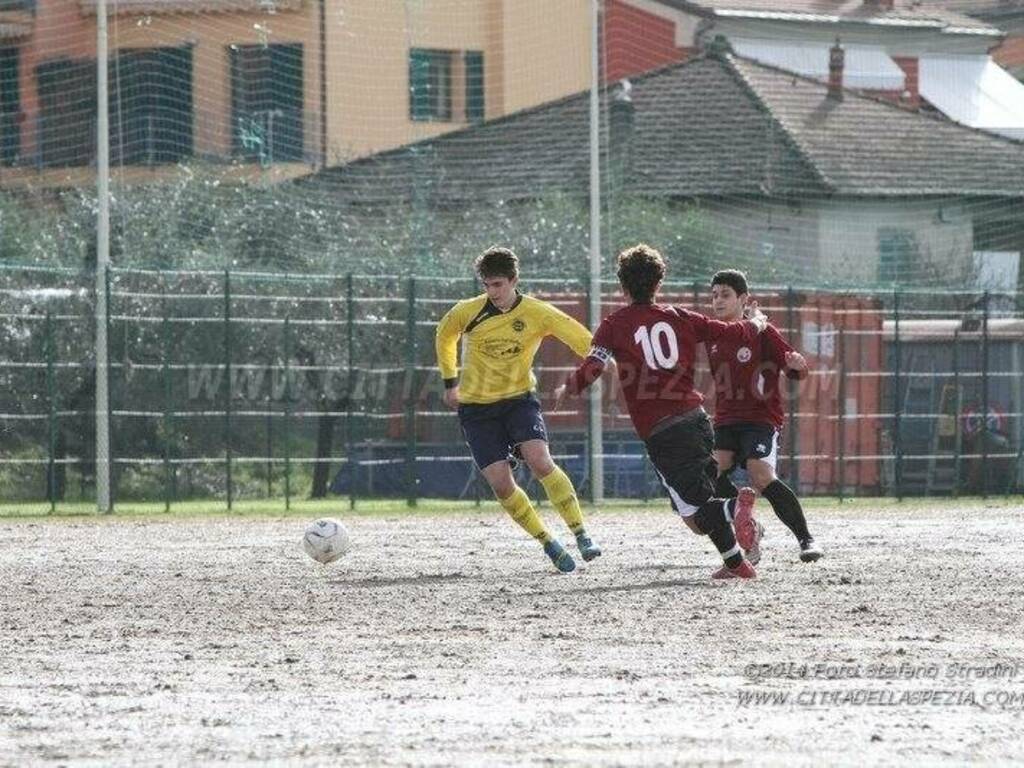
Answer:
[(713, 126)]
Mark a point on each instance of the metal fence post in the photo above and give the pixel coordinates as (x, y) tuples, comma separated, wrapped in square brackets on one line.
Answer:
[(897, 398), (410, 393), (228, 392), (587, 448), (51, 395), (957, 415), (287, 413), (644, 478), (270, 447), (841, 412), (984, 394), (166, 375), (792, 399), (350, 322), (108, 405)]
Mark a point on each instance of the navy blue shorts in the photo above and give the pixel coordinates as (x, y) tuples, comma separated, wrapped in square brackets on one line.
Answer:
[(492, 431)]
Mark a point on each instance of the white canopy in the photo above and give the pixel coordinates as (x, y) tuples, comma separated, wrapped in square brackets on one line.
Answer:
[(975, 91)]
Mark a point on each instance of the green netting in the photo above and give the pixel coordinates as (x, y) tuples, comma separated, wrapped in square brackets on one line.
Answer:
[(334, 390)]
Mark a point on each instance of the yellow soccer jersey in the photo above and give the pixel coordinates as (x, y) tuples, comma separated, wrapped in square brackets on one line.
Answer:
[(499, 347)]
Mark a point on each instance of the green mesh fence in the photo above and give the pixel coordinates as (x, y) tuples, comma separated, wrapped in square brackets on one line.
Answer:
[(242, 385)]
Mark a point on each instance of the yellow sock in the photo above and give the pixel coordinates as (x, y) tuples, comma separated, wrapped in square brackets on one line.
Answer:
[(563, 496), (521, 510)]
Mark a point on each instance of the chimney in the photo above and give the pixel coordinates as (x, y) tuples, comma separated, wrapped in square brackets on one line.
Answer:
[(719, 47), (836, 67), (912, 85), (621, 112), (620, 130)]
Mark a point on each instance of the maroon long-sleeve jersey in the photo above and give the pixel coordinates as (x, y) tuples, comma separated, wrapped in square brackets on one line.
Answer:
[(746, 377), (655, 346)]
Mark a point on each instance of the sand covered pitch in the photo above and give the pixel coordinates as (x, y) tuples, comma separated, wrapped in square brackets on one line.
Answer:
[(449, 639)]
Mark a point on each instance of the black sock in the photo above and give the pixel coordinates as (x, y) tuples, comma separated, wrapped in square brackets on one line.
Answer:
[(724, 488), (712, 520), (787, 508)]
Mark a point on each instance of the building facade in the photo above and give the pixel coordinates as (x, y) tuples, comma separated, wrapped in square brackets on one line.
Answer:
[(273, 87)]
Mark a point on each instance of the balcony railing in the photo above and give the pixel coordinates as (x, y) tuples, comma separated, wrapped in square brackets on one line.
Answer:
[(193, 6)]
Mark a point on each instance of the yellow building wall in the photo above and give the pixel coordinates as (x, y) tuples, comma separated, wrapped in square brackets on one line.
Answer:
[(546, 51), (534, 51)]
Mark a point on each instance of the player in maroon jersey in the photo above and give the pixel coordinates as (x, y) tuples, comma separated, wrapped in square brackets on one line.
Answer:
[(748, 408), (654, 346)]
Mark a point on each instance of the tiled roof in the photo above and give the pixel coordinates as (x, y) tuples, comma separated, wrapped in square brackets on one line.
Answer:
[(714, 126), (906, 13), (867, 146), (983, 9)]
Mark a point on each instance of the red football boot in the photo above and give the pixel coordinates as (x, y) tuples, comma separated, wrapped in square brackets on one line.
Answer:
[(743, 520), (742, 571)]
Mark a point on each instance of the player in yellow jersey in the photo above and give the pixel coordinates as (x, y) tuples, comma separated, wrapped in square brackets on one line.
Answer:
[(498, 409)]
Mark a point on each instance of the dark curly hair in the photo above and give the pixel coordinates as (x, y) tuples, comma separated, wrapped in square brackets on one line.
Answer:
[(732, 278), (497, 262), (641, 268)]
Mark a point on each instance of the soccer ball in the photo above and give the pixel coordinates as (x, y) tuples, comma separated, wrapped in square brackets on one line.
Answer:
[(326, 540)]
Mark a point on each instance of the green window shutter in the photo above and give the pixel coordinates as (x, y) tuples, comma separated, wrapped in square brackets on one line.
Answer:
[(419, 85), (897, 250), (474, 65)]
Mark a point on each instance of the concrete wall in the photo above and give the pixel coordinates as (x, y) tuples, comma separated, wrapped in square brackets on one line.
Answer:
[(837, 241), (782, 237), (849, 233)]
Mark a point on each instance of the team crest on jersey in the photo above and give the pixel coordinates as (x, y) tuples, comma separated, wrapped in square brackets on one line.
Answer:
[(518, 325), (743, 354), (501, 349)]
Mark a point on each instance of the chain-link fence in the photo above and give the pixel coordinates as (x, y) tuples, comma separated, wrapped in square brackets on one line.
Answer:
[(241, 385)]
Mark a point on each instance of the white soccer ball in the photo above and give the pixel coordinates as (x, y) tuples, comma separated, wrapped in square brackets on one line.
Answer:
[(326, 540)]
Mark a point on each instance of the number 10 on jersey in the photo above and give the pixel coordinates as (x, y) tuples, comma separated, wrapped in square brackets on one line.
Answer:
[(660, 346)]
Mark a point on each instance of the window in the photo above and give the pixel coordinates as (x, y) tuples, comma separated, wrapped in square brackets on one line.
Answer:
[(67, 112), (266, 102), (151, 106), (430, 85), (474, 65), (10, 106), (897, 254)]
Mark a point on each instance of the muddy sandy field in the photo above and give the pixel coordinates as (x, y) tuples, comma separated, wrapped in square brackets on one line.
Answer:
[(448, 640)]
